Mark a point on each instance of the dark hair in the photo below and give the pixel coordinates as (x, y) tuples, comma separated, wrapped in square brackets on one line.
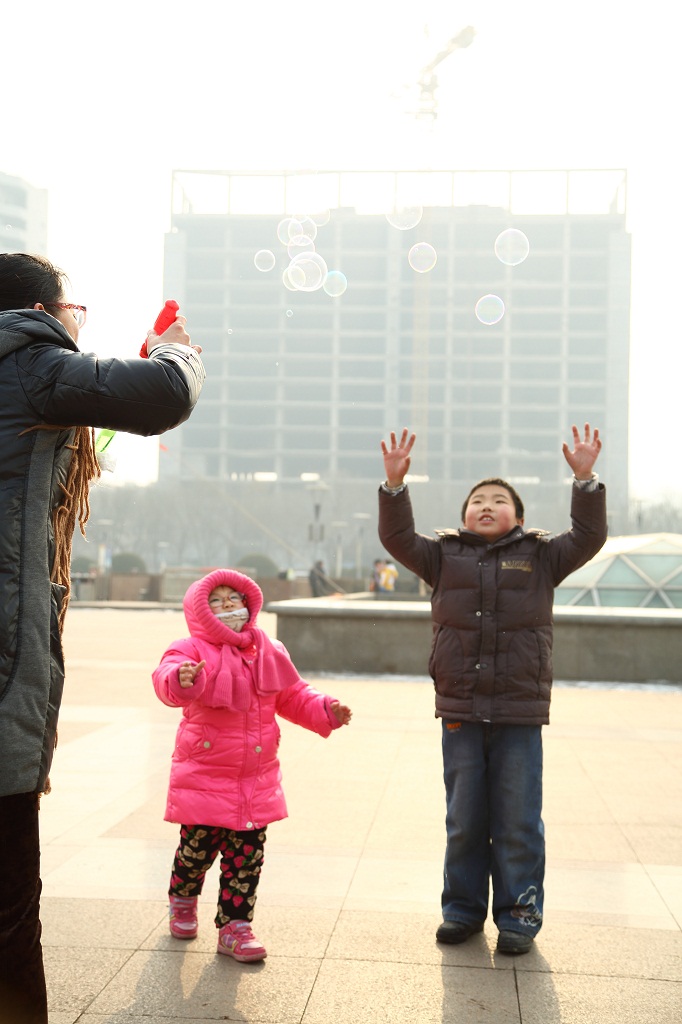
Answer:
[(495, 481), (27, 279)]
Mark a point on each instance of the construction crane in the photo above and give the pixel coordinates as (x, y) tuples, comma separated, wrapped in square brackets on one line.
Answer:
[(428, 80)]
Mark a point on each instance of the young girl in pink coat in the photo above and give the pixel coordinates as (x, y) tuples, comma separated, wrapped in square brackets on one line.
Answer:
[(230, 679)]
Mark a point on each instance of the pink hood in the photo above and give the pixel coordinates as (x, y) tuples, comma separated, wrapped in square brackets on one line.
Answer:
[(204, 624)]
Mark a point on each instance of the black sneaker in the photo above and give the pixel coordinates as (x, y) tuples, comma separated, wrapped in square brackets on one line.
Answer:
[(456, 931), (513, 943)]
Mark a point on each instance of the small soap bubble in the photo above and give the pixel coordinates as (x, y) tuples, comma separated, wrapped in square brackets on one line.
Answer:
[(290, 312), (264, 260), (489, 309), (335, 283), (405, 217), (422, 257), (230, 331), (511, 247)]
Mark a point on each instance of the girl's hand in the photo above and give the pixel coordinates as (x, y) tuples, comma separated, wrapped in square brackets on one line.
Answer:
[(188, 671), (397, 458), (584, 454), (342, 713)]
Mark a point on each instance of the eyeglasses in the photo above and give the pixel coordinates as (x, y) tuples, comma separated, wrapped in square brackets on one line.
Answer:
[(79, 312), (232, 598)]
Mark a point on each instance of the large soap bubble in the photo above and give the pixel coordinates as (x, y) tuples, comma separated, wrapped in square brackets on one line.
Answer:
[(313, 269), (489, 309), (299, 244), (307, 226), (511, 247), (288, 229)]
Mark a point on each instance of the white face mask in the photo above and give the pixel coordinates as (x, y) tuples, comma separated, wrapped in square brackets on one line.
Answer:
[(235, 614)]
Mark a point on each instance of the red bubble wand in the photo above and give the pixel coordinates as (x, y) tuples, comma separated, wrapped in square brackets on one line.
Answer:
[(163, 321)]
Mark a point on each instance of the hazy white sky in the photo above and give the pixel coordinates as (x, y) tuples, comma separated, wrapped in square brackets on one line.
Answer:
[(101, 102)]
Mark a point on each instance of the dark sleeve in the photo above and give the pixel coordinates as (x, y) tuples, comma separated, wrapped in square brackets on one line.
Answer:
[(139, 396), (419, 554), (586, 536)]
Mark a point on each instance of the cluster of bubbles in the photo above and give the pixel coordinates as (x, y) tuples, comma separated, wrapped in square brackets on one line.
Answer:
[(307, 270), (511, 248)]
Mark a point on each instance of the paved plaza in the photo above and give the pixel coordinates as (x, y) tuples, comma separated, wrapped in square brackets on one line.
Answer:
[(349, 900)]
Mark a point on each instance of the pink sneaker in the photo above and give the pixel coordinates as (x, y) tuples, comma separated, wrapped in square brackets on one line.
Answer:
[(238, 941), (182, 921)]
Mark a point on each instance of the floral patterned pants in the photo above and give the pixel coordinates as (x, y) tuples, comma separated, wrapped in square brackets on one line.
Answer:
[(241, 859)]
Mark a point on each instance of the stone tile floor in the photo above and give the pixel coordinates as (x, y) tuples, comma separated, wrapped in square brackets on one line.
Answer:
[(349, 900)]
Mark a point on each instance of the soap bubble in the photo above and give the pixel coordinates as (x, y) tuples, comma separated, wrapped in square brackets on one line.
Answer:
[(292, 277), (489, 309), (335, 283), (287, 229), (321, 217), (511, 247), (307, 226), (314, 270), (290, 312), (264, 260), (405, 217), (422, 257), (299, 244)]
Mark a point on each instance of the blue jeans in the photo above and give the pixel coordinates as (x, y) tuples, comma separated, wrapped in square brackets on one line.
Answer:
[(493, 787)]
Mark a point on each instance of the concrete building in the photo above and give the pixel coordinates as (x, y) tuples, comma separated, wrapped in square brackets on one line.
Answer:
[(23, 216), (302, 385)]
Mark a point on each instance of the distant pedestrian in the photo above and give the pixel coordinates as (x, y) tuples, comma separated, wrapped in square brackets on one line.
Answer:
[(389, 574), (375, 580), (320, 584), (230, 679)]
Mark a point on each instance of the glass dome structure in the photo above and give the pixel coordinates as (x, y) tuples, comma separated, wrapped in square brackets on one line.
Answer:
[(642, 571)]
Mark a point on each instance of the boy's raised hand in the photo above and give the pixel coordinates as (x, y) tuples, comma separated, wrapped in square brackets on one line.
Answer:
[(584, 454), (397, 457)]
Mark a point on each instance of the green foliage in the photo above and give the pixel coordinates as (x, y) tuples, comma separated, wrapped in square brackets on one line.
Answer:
[(261, 566), (128, 561), (82, 564)]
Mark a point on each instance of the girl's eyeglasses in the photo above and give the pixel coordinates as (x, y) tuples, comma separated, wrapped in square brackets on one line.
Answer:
[(79, 312)]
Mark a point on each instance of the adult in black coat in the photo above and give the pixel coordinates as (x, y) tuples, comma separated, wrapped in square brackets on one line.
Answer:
[(52, 395)]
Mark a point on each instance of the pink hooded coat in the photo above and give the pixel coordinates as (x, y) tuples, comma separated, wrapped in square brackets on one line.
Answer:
[(225, 770)]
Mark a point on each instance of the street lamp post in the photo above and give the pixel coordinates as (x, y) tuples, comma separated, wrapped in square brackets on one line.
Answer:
[(361, 518), (316, 528), (339, 527)]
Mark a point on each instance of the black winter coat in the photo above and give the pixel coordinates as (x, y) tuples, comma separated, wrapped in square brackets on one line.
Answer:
[(491, 652), (46, 380)]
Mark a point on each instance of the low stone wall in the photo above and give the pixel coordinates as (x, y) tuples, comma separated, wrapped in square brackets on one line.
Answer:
[(378, 637)]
